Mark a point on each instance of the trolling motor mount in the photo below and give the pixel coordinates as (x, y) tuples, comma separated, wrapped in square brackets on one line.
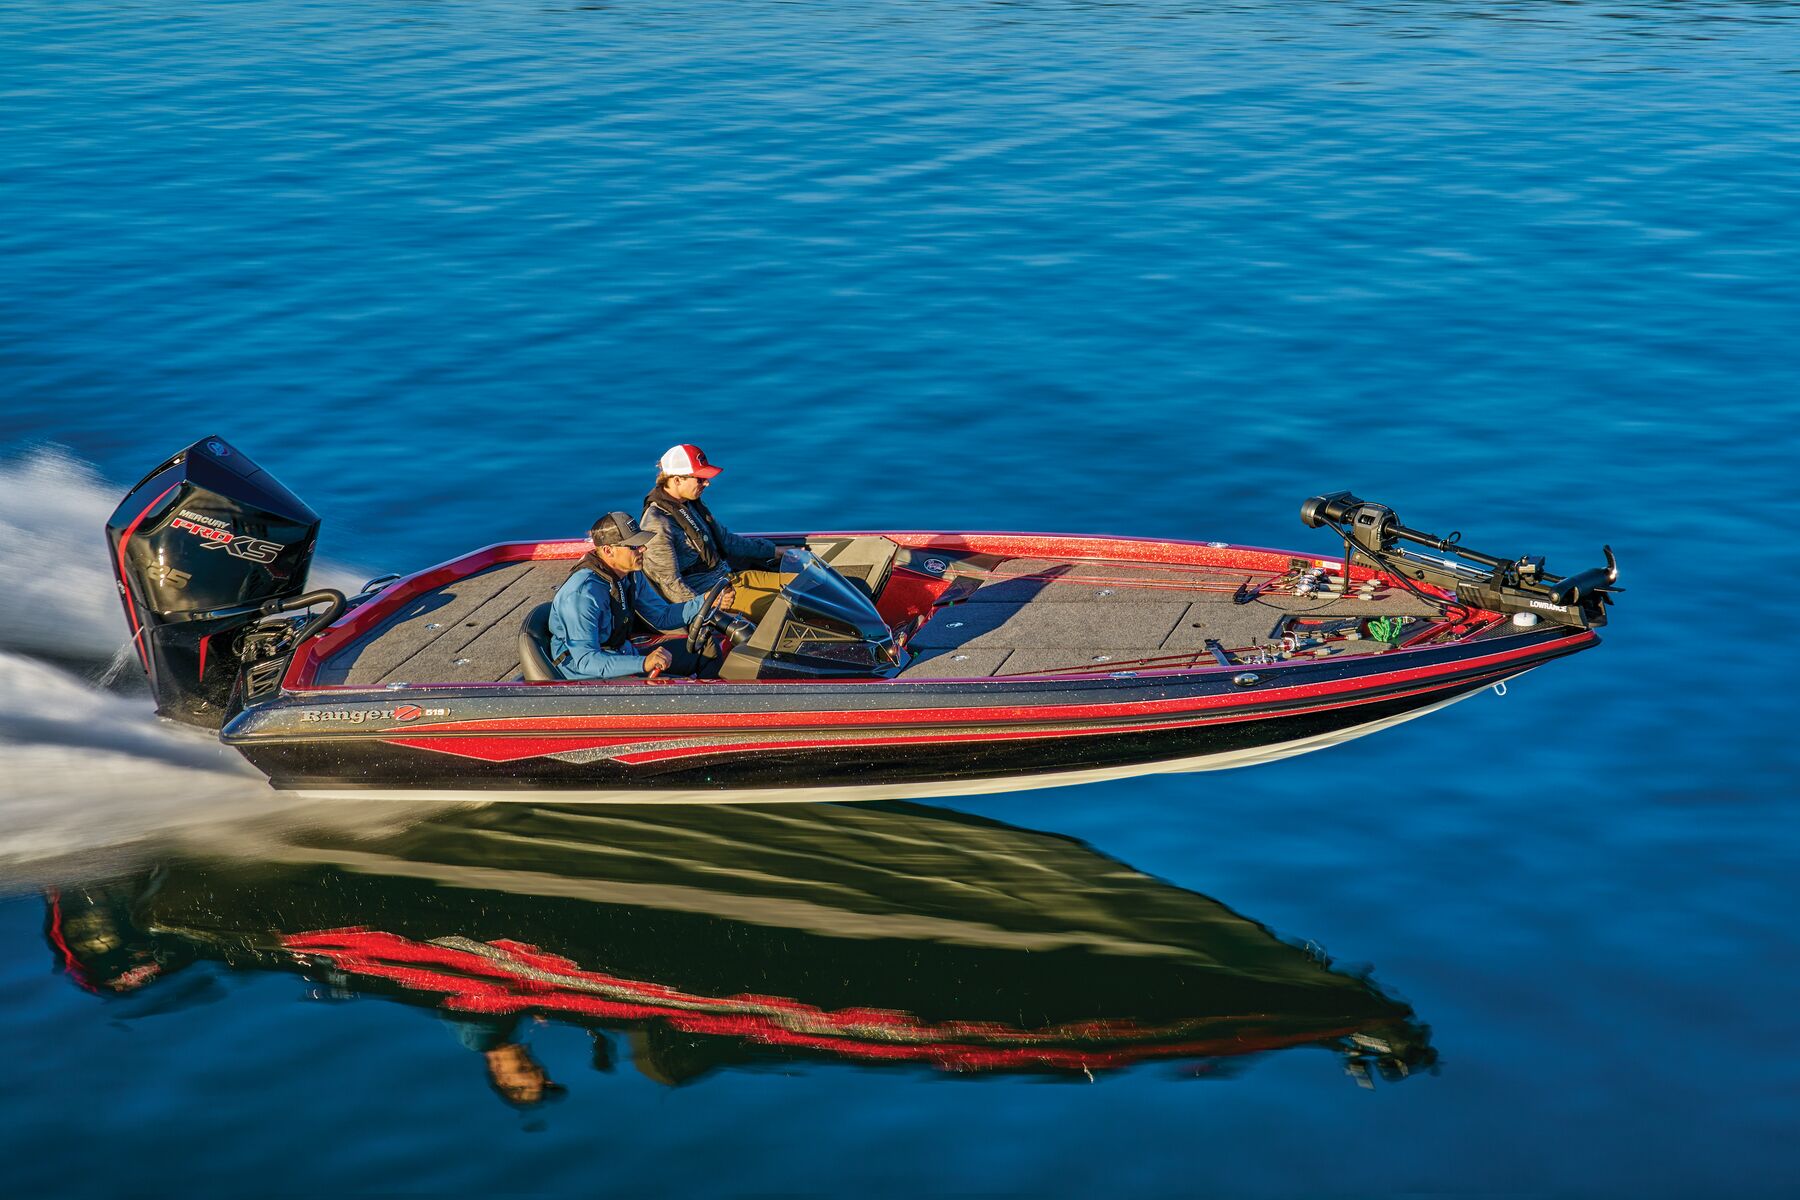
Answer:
[(1506, 585)]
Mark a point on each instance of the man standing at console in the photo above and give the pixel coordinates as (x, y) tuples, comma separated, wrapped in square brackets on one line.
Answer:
[(591, 617), (691, 552)]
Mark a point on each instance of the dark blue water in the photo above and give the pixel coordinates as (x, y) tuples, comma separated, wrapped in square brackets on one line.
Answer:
[(458, 273)]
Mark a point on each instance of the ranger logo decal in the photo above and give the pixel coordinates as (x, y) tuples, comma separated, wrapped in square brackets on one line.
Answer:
[(362, 716)]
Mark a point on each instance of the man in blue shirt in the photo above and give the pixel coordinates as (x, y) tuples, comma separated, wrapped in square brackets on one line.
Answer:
[(591, 617)]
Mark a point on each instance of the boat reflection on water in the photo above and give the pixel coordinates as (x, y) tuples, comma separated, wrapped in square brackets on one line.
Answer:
[(718, 937)]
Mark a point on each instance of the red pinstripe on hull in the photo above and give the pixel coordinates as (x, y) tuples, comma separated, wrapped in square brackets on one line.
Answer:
[(512, 749)]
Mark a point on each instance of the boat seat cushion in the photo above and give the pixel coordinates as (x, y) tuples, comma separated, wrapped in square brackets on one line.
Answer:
[(534, 647), (864, 561)]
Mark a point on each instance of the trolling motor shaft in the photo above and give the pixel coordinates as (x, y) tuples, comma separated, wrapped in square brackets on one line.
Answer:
[(1506, 585)]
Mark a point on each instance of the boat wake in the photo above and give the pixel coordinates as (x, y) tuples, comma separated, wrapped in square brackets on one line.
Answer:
[(91, 780), (57, 596)]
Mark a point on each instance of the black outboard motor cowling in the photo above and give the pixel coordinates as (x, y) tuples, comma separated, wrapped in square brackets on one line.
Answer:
[(200, 547)]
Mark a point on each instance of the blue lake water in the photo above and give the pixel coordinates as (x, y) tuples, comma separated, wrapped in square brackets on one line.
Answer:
[(457, 273)]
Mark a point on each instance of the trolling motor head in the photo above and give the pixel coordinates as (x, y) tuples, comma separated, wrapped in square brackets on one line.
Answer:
[(1516, 585), (1329, 509), (1370, 526)]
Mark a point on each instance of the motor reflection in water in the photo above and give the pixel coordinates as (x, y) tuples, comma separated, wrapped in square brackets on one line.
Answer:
[(716, 937)]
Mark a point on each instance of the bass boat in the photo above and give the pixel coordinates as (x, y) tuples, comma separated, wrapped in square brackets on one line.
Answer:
[(888, 665)]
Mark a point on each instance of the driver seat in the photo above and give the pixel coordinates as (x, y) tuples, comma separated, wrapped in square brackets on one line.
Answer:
[(534, 647)]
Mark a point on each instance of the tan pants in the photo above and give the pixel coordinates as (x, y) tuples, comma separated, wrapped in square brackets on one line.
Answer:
[(756, 590)]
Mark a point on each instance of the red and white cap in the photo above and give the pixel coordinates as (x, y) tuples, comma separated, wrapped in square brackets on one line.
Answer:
[(687, 460)]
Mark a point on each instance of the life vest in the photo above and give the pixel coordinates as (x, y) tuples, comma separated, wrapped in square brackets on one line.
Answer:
[(703, 534), (621, 612)]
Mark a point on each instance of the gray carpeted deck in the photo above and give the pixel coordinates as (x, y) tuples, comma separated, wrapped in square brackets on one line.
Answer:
[(464, 632), (1075, 616), (1033, 615)]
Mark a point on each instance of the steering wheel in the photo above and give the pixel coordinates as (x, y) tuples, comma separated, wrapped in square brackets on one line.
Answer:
[(706, 622)]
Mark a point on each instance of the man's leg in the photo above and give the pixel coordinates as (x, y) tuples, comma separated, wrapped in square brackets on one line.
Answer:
[(756, 590), (684, 662)]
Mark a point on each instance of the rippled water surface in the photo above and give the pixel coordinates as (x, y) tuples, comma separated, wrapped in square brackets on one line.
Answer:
[(458, 272)]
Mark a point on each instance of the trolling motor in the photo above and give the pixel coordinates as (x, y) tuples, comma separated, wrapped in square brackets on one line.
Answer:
[(1520, 585)]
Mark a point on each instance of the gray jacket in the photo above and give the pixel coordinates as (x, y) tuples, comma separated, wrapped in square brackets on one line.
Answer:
[(691, 551)]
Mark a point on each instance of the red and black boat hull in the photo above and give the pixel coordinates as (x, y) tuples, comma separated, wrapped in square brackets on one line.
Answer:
[(720, 737)]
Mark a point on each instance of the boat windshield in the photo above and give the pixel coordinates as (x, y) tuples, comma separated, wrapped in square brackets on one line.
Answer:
[(820, 597)]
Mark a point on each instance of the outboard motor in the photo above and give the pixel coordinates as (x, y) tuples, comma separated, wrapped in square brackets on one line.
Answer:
[(204, 546)]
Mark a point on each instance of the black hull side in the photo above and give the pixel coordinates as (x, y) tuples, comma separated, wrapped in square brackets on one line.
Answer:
[(346, 763)]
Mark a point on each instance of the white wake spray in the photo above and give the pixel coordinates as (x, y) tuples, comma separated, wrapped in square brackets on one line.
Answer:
[(57, 596), (91, 780)]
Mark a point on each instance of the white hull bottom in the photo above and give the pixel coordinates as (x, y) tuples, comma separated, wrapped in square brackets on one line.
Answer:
[(895, 791)]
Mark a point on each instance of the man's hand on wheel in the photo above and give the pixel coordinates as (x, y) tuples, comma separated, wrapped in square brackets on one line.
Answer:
[(728, 597), (658, 661)]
